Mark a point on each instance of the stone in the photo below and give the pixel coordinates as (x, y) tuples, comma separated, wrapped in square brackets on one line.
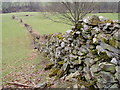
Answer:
[(114, 42), (80, 53), (86, 27), (100, 83), (76, 62), (104, 53), (62, 44), (114, 86), (87, 61), (69, 31), (86, 20), (102, 19), (117, 35), (82, 86), (114, 61), (70, 39), (94, 20), (117, 74), (107, 77), (104, 37), (72, 75), (75, 86), (65, 66), (73, 28), (41, 85), (110, 48), (78, 32), (95, 68), (84, 50), (73, 57), (87, 73), (107, 67), (95, 40), (74, 52)]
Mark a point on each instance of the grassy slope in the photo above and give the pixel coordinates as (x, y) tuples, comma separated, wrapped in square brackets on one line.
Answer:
[(15, 45)]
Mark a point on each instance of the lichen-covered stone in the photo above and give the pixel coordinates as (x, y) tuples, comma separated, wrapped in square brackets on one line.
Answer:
[(107, 67)]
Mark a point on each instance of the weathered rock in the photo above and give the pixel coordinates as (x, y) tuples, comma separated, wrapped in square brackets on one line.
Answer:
[(75, 86), (117, 35), (114, 86), (107, 67), (114, 61), (41, 85), (72, 75), (87, 73)]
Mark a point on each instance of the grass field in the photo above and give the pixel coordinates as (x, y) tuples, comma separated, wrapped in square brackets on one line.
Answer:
[(16, 45)]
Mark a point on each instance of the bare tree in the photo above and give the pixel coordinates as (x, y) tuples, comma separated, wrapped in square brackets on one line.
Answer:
[(69, 12)]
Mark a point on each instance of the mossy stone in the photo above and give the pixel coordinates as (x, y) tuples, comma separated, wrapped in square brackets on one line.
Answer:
[(48, 66), (107, 67), (54, 72), (113, 42), (60, 73)]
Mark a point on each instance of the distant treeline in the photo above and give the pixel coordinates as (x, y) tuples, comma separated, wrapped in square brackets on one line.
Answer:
[(8, 7)]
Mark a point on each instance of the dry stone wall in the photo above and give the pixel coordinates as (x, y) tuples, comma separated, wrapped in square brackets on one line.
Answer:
[(89, 52)]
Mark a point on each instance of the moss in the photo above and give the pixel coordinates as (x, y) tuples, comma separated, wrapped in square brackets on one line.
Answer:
[(43, 45), (103, 38), (103, 55), (60, 36), (48, 66), (97, 58), (88, 84), (108, 21), (95, 21), (94, 52), (36, 40), (54, 72), (113, 42), (61, 62), (79, 25), (60, 73)]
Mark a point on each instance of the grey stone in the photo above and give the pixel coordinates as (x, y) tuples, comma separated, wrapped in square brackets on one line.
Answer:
[(117, 35), (69, 31), (75, 86), (95, 68), (110, 48), (87, 73), (114, 86), (86, 27), (107, 77), (62, 44), (78, 32), (107, 67), (41, 85), (72, 75), (114, 61)]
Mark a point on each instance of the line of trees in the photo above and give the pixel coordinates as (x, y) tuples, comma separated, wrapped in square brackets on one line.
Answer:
[(8, 7)]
